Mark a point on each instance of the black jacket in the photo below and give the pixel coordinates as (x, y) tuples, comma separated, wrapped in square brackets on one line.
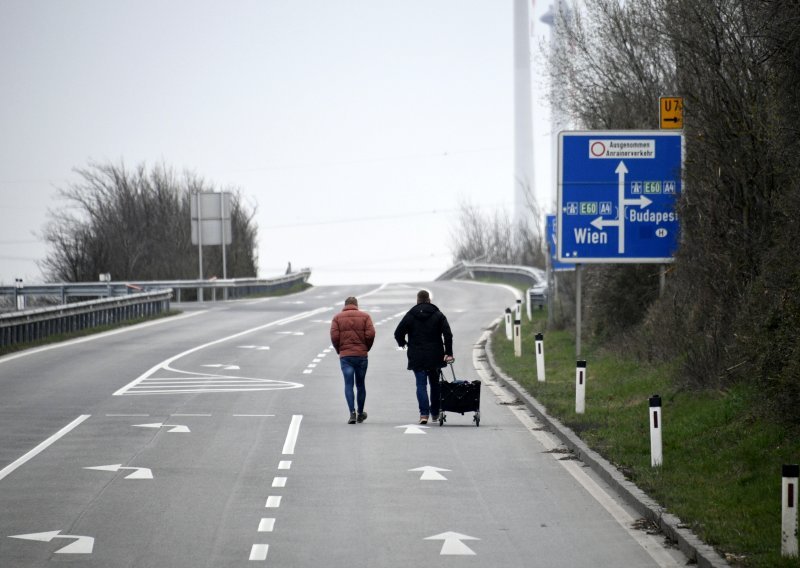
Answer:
[(429, 337)]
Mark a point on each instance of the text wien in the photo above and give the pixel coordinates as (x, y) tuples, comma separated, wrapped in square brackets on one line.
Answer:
[(585, 235)]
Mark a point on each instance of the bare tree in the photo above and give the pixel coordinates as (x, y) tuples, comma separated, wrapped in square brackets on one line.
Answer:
[(135, 224)]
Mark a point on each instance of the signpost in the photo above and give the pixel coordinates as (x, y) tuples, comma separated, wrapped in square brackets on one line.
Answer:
[(617, 192)]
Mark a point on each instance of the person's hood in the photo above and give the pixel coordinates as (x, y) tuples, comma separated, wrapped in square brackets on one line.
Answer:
[(424, 311)]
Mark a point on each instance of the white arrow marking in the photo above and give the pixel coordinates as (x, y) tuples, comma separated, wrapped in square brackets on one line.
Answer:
[(641, 201), (412, 429), (83, 544), (138, 473), (453, 545), (174, 428), (621, 171), (431, 473), (599, 223)]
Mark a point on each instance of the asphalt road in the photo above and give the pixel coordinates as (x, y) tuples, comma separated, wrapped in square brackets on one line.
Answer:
[(219, 438)]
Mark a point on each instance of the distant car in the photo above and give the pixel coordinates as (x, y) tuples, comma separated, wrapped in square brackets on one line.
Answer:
[(538, 295)]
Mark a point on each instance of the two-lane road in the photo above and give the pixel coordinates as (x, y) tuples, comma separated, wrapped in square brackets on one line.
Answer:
[(219, 438)]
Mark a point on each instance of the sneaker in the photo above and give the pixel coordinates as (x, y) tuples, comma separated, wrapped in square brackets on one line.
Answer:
[(361, 417), (352, 418), (423, 419)]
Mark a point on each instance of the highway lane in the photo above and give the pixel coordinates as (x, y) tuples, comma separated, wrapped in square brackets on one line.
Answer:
[(236, 411)]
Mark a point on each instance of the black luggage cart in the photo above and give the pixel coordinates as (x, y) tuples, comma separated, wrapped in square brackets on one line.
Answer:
[(459, 396)]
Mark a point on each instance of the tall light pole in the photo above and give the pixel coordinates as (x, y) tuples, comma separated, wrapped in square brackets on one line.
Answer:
[(523, 111)]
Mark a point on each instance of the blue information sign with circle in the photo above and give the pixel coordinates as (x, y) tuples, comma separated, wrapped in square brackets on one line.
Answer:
[(617, 192)]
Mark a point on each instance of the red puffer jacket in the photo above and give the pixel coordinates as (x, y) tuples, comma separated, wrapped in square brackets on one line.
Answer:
[(352, 332)]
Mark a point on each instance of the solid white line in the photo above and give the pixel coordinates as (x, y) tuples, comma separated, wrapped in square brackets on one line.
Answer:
[(166, 362), (259, 552), (98, 336), (291, 436), (266, 525), (273, 502), (279, 482), (43, 446)]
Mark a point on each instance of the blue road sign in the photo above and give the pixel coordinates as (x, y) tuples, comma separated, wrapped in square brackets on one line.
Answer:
[(617, 192), (555, 264)]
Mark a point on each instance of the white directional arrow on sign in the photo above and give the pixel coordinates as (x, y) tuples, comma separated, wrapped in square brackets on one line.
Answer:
[(138, 473), (431, 473), (641, 201), (174, 428), (412, 429), (453, 545), (83, 544)]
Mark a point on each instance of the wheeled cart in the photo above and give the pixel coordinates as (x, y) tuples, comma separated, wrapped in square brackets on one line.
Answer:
[(459, 396)]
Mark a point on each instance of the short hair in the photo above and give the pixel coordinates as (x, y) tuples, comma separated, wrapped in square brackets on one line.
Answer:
[(423, 297), (351, 301)]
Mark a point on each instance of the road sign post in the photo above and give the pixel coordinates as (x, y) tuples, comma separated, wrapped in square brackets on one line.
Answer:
[(617, 192)]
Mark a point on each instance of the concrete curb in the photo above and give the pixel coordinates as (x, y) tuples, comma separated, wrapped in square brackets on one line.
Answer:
[(695, 549)]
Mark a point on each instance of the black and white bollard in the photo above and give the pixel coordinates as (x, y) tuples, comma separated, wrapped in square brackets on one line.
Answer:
[(656, 453), (580, 387), (789, 510), (540, 357), (509, 331), (517, 338), (519, 309), (20, 297)]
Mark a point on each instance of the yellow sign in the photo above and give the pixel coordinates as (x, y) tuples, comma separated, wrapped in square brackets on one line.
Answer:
[(671, 112)]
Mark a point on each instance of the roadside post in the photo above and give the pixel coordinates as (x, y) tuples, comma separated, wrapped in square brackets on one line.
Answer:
[(540, 357), (518, 313), (509, 335), (517, 337), (19, 297), (580, 387), (791, 473), (656, 453)]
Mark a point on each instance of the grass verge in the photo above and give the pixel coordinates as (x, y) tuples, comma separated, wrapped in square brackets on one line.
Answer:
[(722, 459)]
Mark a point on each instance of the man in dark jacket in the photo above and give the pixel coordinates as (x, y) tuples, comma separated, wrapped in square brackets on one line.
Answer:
[(352, 336), (430, 347)]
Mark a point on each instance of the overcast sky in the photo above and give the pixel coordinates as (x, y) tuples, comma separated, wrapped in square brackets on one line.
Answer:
[(356, 127)]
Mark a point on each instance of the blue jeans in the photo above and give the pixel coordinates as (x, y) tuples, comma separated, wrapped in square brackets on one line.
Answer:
[(354, 370), (424, 377)]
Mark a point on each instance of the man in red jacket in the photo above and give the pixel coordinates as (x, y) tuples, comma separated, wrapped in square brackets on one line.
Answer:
[(352, 335)]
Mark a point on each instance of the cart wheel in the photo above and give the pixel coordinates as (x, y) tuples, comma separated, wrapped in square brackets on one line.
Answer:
[(477, 419), (441, 419)]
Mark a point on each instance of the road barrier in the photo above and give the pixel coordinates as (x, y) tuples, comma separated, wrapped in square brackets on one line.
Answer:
[(33, 325)]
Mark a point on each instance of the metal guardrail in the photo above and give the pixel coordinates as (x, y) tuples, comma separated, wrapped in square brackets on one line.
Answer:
[(527, 274), (228, 288), (32, 325)]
